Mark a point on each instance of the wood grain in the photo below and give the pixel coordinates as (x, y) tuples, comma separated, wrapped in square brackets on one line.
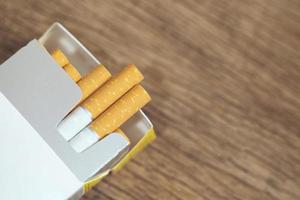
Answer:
[(224, 77)]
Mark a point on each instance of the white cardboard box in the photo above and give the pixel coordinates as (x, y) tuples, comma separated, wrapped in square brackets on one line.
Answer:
[(35, 95)]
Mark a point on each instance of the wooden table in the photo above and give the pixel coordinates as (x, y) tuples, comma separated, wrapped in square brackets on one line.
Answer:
[(224, 77)]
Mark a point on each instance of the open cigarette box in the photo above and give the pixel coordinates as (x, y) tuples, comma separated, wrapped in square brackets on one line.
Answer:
[(35, 95)]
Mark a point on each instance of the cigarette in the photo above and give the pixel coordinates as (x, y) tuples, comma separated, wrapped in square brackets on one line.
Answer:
[(112, 90), (63, 61), (91, 82), (112, 118), (72, 72), (60, 57), (99, 101)]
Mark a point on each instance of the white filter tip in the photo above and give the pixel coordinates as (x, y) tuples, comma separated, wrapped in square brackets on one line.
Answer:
[(77, 120), (86, 138)]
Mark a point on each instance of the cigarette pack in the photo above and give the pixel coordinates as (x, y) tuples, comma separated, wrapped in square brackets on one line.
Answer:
[(35, 96)]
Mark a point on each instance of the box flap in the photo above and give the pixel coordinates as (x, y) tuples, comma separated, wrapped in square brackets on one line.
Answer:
[(43, 93)]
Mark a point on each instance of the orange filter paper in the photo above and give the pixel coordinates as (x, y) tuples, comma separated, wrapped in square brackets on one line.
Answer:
[(112, 90), (120, 111), (60, 57), (93, 81), (72, 72)]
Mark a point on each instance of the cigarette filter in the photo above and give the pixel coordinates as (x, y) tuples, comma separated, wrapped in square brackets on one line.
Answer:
[(112, 118), (99, 101), (60, 57), (87, 138), (112, 90), (93, 81), (72, 72)]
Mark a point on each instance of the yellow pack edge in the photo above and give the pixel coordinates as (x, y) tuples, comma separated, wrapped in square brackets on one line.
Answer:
[(147, 139), (91, 183)]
